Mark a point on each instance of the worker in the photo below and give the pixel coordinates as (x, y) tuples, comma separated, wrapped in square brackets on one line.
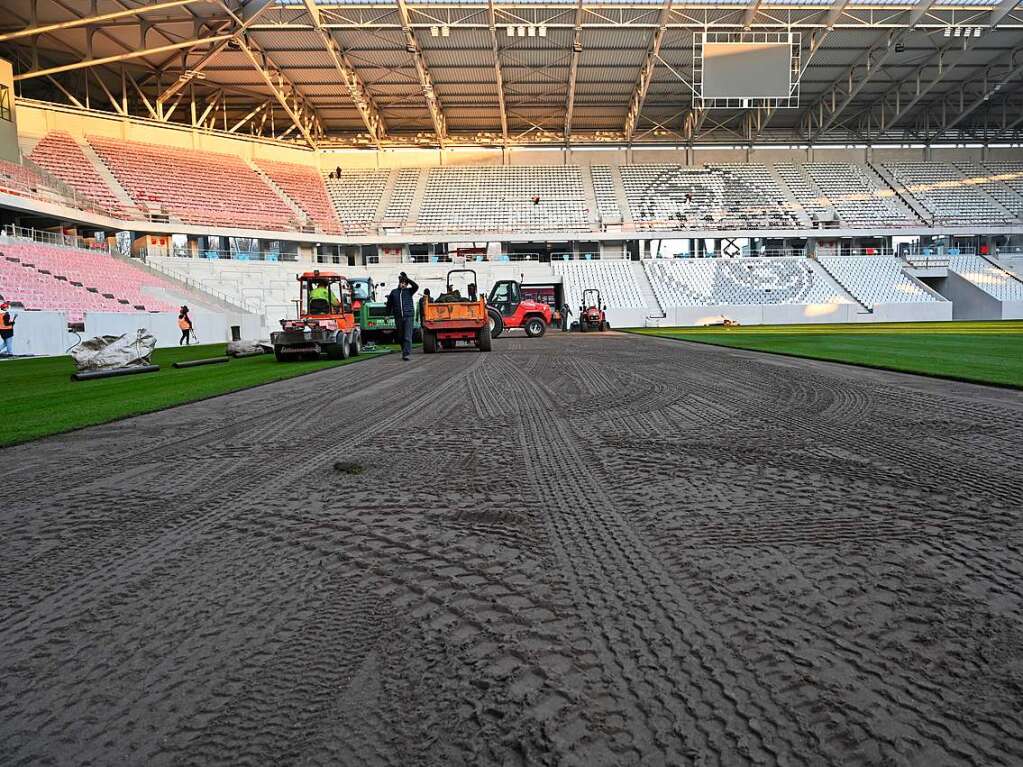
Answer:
[(6, 330), (400, 305), (566, 312), (322, 298), (185, 325)]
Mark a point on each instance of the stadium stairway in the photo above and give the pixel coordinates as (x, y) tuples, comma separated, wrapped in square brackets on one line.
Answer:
[(887, 179), (300, 215), (104, 173), (797, 209), (646, 290)]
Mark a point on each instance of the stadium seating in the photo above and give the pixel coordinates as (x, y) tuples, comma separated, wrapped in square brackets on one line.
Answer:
[(504, 199), (24, 182), (356, 195), (603, 189), (946, 193), (304, 186), (400, 203), (49, 278), (875, 279), (857, 197), (1004, 182), (614, 279), (667, 196), (195, 187), (985, 275), (738, 281), (59, 154)]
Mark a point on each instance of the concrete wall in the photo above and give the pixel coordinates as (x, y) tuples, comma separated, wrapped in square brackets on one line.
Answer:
[(968, 301), (8, 128), (209, 327), (802, 314), (41, 333)]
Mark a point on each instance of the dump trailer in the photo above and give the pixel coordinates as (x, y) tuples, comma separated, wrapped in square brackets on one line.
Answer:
[(325, 322), (454, 317)]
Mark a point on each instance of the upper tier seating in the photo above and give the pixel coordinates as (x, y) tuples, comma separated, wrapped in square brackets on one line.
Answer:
[(196, 187), (716, 197), (25, 182), (356, 196), (504, 199), (305, 188), (876, 279), (988, 277), (994, 184), (946, 193), (857, 197), (739, 281), (614, 279), (1008, 176), (604, 191), (61, 155), (48, 278), (400, 203)]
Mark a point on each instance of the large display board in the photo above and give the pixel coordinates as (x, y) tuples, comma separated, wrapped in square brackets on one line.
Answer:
[(746, 70)]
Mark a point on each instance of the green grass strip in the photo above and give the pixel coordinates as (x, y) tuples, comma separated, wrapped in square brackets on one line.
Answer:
[(977, 352), (40, 399)]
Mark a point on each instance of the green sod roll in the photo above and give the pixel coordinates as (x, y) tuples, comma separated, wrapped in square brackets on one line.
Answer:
[(91, 375), (197, 363)]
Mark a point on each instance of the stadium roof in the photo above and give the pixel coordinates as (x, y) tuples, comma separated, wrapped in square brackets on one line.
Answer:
[(582, 72)]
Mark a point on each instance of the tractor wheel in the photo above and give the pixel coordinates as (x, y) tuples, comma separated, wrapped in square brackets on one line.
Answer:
[(355, 347), (429, 342), (279, 354), (535, 327), (340, 350), (496, 322), (483, 338)]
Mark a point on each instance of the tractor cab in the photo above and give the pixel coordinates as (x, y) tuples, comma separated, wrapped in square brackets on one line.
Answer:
[(592, 312), (363, 291), (508, 309)]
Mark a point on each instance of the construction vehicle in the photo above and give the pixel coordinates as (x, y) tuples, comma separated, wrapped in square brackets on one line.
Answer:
[(325, 323), (592, 313), (509, 310), (375, 322), (453, 317)]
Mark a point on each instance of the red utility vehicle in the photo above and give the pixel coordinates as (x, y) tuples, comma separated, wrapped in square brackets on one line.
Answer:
[(508, 310), (592, 314), (325, 321)]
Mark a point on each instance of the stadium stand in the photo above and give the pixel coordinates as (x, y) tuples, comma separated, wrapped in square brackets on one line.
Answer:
[(400, 203), (304, 186), (857, 197), (876, 279), (994, 281), (60, 155), (714, 197), (614, 279), (45, 277), (504, 199), (604, 191), (195, 187), (994, 185), (724, 281), (356, 195), (946, 193)]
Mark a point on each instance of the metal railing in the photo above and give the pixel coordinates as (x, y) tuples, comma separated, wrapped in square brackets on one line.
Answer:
[(56, 239), (210, 254)]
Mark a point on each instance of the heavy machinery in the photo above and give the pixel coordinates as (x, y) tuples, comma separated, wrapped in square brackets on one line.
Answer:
[(509, 310), (453, 317), (375, 322), (325, 324), (592, 314)]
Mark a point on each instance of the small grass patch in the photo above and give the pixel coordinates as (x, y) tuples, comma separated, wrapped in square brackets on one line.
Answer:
[(978, 352), (40, 399)]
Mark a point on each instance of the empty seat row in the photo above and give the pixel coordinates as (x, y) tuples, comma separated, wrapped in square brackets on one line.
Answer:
[(876, 279), (947, 193), (993, 280), (303, 185), (614, 279)]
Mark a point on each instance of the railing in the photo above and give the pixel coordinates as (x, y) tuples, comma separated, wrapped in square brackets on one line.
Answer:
[(448, 258), (589, 256), (210, 254), (57, 239)]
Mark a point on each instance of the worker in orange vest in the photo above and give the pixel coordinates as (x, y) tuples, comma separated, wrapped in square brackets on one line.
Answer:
[(6, 331), (185, 323)]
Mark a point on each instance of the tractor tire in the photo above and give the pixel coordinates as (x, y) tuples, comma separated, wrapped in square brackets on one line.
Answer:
[(484, 338), (355, 347), (339, 350), (279, 354), (496, 322), (535, 327), (429, 342)]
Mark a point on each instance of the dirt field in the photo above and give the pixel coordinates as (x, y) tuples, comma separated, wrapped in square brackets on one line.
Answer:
[(571, 551)]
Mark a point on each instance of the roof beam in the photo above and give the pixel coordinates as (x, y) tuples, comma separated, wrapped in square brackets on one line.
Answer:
[(1000, 11), (301, 113), (440, 125), (577, 48), (492, 18), (823, 113), (646, 73), (354, 84), (955, 107), (750, 13), (87, 20), (119, 57)]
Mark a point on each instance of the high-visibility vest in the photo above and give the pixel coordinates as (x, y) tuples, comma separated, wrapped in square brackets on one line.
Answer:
[(184, 323), (5, 322)]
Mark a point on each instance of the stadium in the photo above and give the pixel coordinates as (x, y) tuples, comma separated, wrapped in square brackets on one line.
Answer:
[(450, 382)]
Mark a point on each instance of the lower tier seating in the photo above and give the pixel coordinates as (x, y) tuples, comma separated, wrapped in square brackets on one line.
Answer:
[(985, 275), (876, 279), (614, 279)]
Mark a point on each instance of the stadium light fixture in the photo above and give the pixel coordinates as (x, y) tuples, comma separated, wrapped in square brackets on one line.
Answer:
[(445, 31), (532, 31), (434, 31), (948, 31), (522, 31), (543, 31), (976, 31), (511, 31), (959, 32)]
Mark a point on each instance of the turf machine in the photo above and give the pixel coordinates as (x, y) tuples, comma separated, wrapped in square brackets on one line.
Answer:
[(375, 322), (453, 318), (325, 323), (592, 313), (509, 310)]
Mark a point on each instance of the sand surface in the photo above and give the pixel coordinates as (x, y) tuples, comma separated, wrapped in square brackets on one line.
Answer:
[(571, 551)]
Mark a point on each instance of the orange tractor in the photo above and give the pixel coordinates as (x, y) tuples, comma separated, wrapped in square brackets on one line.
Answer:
[(325, 324), (453, 318)]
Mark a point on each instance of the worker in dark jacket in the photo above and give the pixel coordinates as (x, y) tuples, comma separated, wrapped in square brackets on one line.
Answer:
[(401, 305), (6, 330), (566, 313)]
